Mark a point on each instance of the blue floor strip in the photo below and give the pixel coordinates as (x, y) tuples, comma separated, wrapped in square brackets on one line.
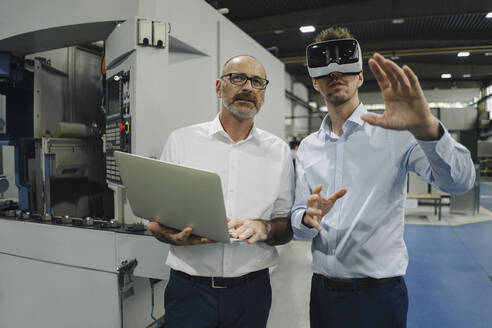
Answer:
[(447, 287), (449, 273)]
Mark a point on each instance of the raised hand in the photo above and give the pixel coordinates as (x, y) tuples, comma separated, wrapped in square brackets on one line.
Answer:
[(318, 206), (175, 237), (405, 105)]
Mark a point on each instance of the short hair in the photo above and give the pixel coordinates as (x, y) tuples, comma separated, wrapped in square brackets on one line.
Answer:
[(237, 56), (333, 33)]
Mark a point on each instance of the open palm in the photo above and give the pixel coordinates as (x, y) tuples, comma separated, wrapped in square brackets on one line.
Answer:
[(405, 105)]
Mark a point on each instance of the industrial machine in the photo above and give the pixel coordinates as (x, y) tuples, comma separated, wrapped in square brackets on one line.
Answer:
[(65, 119)]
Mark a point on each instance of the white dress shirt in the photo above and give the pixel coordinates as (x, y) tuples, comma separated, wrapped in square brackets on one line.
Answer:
[(362, 234), (257, 179)]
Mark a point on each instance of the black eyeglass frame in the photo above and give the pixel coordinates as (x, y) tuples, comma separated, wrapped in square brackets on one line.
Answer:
[(229, 76)]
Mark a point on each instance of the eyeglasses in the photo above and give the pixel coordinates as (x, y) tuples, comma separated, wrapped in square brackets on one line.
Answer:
[(240, 79)]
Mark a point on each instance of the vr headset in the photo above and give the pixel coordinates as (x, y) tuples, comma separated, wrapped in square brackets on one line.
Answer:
[(339, 55)]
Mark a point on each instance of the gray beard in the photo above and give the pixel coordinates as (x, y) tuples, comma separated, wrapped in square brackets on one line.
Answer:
[(236, 112)]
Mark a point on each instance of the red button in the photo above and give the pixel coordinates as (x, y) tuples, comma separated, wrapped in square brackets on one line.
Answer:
[(122, 127)]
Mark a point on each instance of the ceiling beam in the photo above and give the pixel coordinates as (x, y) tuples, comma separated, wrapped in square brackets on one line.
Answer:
[(433, 71), (300, 58), (429, 75), (372, 86), (368, 10)]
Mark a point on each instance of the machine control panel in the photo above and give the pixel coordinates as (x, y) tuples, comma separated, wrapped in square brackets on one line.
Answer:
[(118, 121)]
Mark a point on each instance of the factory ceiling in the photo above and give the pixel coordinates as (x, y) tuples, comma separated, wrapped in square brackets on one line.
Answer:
[(425, 35)]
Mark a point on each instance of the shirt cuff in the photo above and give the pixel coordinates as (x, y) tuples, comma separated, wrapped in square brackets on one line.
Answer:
[(438, 149), (301, 231)]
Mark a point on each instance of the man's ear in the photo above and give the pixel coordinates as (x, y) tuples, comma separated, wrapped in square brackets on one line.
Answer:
[(360, 79), (315, 84), (218, 92)]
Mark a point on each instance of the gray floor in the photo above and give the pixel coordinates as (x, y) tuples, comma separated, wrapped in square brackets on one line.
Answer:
[(424, 215), (291, 285)]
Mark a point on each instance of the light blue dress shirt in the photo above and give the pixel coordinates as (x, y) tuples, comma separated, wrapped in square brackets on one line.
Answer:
[(362, 234)]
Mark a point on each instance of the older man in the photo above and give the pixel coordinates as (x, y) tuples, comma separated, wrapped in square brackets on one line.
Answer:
[(222, 285)]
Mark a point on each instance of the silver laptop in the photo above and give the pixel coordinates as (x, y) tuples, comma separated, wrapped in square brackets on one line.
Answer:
[(175, 195)]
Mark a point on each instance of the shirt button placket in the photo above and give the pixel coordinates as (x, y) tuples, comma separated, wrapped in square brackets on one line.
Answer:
[(336, 208)]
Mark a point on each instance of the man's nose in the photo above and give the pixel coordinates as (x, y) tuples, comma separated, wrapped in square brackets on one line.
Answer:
[(248, 85)]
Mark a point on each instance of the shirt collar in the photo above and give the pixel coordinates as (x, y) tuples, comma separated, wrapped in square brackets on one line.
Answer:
[(216, 128), (354, 119)]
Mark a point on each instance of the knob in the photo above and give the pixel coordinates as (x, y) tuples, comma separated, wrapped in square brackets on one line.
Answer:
[(66, 219), (88, 221)]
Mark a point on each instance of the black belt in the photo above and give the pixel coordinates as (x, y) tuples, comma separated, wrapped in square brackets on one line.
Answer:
[(352, 284), (220, 282)]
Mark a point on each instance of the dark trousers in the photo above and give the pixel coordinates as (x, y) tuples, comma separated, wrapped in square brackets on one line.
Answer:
[(190, 304), (380, 306)]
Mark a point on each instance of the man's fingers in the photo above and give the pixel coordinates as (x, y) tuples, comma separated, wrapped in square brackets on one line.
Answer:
[(313, 217), (195, 240), (379, 74), (317, 226), (374, 120), (313, 212), (317, 190), (176, 237), (153, 226), (412, 78), (157, 228), (314, 222), (239, 230), (248, 232), (338, 194), (183, 235), (235, 223), (159, 235), (389, 72), (253, 239), (312, 200), (398, 73)]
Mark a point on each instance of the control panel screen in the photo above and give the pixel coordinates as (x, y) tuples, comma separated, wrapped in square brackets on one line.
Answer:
[(114, 96)]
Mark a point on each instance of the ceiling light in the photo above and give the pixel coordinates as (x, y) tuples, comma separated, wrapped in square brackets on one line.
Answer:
[(307, 29), (489, 15), (466, 75), (488, 54), (223, 11), (445, 76), (463, 54), (278, 31), (323, 109), (398, 21), (394, 57)]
